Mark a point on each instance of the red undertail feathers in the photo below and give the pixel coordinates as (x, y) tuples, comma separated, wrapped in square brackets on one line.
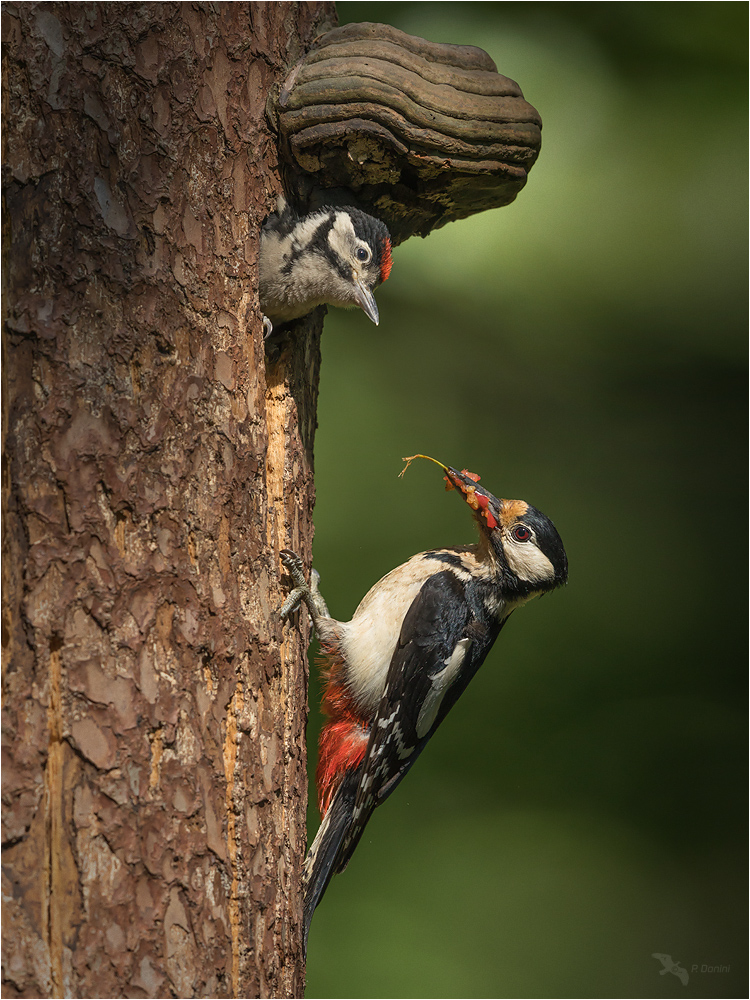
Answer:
[(344, 737)]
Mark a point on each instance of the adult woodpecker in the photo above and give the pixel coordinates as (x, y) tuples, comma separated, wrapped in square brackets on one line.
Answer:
[(335, 256), (397, 668)]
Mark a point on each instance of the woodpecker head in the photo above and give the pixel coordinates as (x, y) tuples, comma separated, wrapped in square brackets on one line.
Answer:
[(358, 251), (336, 256), (523, 539)]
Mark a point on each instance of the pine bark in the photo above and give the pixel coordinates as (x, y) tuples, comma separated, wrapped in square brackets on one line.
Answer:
[(156, 460)]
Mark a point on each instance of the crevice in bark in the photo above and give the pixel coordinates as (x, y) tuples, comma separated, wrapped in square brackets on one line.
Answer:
[(288, 802), (277, 398), (54, 833), (156, 739), (230, 759)]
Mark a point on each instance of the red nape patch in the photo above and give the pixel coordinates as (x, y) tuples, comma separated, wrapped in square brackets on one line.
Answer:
[(342, 747), (386, 261)]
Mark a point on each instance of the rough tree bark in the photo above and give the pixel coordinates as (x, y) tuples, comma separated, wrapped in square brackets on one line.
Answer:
[(155, 461)]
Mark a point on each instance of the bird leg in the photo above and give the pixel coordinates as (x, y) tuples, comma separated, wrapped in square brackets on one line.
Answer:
[(309, 593)]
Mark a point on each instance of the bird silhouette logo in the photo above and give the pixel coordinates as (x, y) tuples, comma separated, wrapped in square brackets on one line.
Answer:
[(670, 966)]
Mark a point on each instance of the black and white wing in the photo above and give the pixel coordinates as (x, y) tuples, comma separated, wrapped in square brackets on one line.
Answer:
[(441, 646)]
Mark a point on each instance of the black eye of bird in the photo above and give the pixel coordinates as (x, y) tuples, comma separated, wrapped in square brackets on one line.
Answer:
[(363, 254), (521, 533)]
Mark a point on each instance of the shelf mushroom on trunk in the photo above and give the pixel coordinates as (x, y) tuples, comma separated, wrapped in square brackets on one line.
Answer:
[(416, 133)]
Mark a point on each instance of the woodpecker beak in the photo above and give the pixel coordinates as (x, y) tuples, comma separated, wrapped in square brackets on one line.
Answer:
[(486, 505), (366, 300), (463, 481), (483, 502)]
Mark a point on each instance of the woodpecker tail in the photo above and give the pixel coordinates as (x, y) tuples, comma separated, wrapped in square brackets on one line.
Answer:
[(323, 857)]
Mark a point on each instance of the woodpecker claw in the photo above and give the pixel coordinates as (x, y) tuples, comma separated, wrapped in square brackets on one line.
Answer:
[(292, 602), (309, 593), (316, 595), (293, 564), (267, 327)]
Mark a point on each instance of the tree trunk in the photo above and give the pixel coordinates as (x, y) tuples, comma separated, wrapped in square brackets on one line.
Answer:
[(155, 461)]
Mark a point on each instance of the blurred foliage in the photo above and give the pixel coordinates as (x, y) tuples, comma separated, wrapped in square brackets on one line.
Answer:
[(584, 804)]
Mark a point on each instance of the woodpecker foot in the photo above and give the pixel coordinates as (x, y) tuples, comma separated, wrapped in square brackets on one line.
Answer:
[(316, 595), (267, 327), (309, 593)]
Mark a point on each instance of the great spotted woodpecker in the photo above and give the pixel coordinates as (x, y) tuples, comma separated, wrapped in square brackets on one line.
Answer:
[(335, 256), (397, 668)]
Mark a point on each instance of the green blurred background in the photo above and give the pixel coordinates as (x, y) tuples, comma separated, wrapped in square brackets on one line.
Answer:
[(584, 804)]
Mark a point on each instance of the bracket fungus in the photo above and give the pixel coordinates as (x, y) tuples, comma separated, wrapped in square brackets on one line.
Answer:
[(418, 133)]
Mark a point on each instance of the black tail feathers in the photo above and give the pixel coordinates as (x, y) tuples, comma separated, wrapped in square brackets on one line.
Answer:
[(322, 859)]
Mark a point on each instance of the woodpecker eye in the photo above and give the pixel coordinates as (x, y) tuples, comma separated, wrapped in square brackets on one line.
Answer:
[(363, 254), (521, 533)]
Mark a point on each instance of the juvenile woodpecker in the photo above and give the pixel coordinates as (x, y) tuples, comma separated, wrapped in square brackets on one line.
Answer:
[(397, 668), (335, 256)]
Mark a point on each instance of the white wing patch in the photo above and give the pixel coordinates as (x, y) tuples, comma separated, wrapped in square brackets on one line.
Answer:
[(440, 684)]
